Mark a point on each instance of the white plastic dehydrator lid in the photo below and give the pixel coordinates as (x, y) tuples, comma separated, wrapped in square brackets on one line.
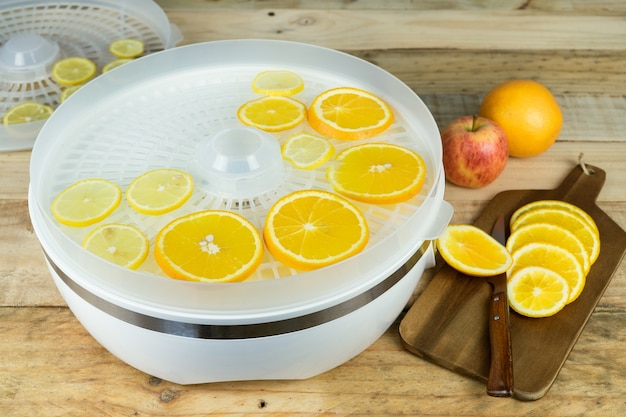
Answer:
[(164, 109), (34, 34)]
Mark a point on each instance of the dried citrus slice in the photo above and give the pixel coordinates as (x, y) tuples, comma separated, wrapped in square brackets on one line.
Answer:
[(73, 70), (277, 83), (27, 112), (121, 244), (209, 246), (349, 113), (127, 48), (471, 251), (311, 229), (159, 191), (378, 173), (272, 113), (549, 233), (583, 231), (555, 259), (306, 151), (68, 91), (115, 63), (537, 292), (555, 204), (86, 202)]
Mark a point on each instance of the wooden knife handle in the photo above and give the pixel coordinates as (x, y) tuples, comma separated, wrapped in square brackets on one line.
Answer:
[(500, 380)]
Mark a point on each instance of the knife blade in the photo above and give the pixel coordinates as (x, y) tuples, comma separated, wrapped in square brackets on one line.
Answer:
[(500, 379)]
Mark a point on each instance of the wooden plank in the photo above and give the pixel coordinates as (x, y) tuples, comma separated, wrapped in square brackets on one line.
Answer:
[(14, 171), (606, 7), (59, 369), (24, 278), (586, 118), (565, 72), (546, 170), (441, 29)]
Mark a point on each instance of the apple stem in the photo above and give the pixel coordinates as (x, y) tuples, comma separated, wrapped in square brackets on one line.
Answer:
[(474, 118)]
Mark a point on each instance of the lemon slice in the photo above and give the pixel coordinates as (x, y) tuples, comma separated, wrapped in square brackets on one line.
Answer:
[(471, 251), (73, 70), (68, 91), (127, 48), (277, 83), (209, 246), (115, 63), (27, 112), (537, 292), (306, 151), (272, 113), (86, 202), (121, 244), (159, 191), (378, 173)]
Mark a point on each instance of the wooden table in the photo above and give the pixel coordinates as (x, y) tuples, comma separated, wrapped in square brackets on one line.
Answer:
[(450, 53)]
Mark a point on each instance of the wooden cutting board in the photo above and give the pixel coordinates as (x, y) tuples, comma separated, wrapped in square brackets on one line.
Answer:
[(448, 323)]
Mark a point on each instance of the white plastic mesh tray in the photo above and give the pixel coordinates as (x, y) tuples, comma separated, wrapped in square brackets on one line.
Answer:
[(164, 122), (73, 28), (159, 110)]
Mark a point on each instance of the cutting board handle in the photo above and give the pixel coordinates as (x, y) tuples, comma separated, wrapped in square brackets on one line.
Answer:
[(582, 186)]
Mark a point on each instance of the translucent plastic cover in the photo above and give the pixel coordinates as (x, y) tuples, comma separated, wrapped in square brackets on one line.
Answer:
[(36, 33), (161, 110)]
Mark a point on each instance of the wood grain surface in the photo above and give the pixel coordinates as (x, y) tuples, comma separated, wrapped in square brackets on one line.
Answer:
[(450, 53)]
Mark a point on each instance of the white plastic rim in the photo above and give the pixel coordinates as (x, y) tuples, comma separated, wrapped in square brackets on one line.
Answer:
[(157, 111), (69, 28)]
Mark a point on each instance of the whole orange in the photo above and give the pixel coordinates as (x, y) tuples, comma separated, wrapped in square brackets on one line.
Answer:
[(527, 112)]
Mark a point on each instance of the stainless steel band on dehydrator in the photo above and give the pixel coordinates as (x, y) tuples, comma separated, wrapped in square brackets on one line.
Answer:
[(242, 331)]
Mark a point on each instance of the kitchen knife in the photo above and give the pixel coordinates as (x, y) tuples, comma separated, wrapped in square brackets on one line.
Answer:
[(500, 380)]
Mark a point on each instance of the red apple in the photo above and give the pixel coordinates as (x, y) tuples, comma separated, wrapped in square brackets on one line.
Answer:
[(475, 151)]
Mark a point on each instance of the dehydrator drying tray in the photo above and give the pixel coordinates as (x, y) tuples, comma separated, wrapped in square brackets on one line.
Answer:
[(34, 34), (158, 111)]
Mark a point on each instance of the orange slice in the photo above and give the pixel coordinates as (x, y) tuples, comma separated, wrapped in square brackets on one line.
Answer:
[(349, 113), (209, 246), (159, 191), (378, 173), (277, 83), (86, 202), (471, 251), (272, 113), (555, 259), (311, 229), (568, 220), (549, 233), (556, 204), (537, 292), (121, 244), (306, 151)]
